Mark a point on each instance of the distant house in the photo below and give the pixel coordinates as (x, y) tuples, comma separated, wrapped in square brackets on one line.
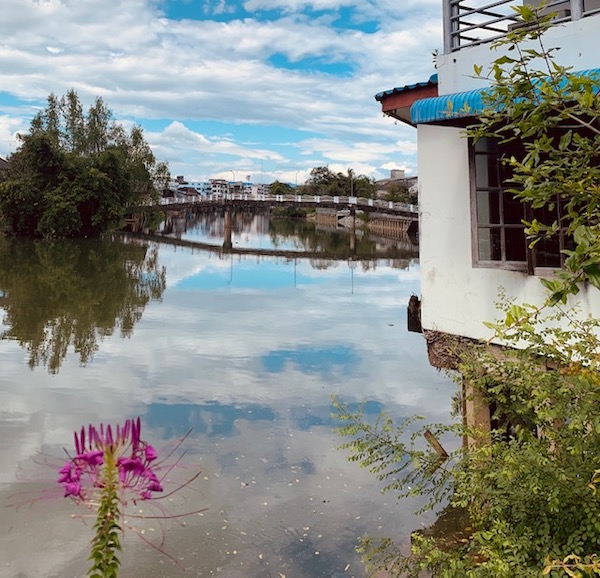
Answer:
[(471, 236), (219, 186), (397, 177)]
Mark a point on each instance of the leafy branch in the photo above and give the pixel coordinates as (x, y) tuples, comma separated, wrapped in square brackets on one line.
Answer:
[(555, 114)]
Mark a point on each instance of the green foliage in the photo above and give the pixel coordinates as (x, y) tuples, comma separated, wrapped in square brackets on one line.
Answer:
[(323, 181), (279, 188), (406, 466), (555, 114), (528, 486), (529, 493), (290, 212), (399, 193), (77, 175)]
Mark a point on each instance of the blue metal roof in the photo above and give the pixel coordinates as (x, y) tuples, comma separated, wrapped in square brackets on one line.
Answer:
[(462, 104), (447, 106), (433, 79)]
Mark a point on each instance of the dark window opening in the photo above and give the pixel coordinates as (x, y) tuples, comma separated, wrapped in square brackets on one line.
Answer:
[(499, 232)]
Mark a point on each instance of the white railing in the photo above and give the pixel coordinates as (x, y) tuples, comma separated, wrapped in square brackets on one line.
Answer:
[(472, 22), (299, 199)]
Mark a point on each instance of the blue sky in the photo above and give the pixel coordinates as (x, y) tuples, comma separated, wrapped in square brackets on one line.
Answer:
[(266, 88)]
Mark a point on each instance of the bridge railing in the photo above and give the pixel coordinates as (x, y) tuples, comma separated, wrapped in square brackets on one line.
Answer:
[(343, 201)]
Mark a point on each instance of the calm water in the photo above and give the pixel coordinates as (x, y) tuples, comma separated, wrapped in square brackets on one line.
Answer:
[(244, 350)]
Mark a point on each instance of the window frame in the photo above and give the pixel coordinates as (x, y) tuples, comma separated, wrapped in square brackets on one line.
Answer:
[(529, 265), (505, 264)]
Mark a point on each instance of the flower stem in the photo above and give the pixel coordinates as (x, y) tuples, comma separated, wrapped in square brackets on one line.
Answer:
[(106, 543)]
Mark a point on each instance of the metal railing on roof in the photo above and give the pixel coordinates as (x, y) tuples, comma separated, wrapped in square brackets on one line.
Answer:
[(472, 22)]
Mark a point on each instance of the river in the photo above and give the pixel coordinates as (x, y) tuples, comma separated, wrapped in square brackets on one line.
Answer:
[(243, 351)]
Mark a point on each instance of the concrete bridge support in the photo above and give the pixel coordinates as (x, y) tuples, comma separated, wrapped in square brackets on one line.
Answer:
[(353, 231), (227, 229)]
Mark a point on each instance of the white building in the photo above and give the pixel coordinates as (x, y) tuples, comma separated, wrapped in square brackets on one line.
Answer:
[(219, 186), (260, 189), (201, 187), (470, 232)]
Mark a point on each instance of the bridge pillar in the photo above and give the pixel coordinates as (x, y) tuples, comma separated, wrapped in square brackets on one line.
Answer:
[(353, 230), (227, 228)]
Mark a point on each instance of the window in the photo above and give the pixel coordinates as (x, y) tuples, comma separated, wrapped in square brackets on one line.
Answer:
[(498, 230), (548, 252), (500, 233)]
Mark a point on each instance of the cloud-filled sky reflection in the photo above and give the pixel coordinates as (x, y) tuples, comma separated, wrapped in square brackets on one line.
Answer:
[(249, 363)]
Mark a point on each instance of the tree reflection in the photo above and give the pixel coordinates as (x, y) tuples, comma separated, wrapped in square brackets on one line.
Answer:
[(336, 244), (70, 294)]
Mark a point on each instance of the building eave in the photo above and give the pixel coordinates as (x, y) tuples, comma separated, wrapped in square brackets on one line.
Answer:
[(397, 102), (460, 107)]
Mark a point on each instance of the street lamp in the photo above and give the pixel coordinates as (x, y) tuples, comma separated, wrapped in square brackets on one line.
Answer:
[(232, 188)]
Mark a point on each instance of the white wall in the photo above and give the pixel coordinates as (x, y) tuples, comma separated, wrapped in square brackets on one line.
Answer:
[(456, 297), (578, 43)]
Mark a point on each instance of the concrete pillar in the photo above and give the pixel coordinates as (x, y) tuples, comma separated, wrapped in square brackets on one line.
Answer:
[(353, 231), (227, 227)]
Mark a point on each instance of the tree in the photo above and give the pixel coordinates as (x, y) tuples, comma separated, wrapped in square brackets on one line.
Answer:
[(74, 123), (76, 175), (363, 186), (323, 181), (98, 127), (320, 180), (399, 193), (161, 176), (279, 188)]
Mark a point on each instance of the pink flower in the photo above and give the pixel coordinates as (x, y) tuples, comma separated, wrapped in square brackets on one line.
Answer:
[(97, 446), (110, 467), (73, 489), (150, 453)]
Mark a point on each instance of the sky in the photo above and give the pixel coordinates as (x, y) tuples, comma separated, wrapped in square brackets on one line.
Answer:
[(266, 89)]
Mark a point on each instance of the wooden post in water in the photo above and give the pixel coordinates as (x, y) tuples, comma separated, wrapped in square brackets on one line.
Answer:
[(446, 352), (476, 414)]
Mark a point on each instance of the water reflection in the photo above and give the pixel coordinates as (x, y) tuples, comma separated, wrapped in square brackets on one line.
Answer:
[(246, 351), (237, 229), (71, 294)]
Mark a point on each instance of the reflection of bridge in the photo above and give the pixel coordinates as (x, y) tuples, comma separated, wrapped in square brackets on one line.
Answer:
[(392, 253), (242, 200)]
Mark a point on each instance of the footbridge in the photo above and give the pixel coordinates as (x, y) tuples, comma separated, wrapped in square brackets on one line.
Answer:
[(314, 201)]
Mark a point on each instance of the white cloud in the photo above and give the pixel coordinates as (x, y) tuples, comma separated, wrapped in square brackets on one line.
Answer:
[(148, 67), (295, 5)]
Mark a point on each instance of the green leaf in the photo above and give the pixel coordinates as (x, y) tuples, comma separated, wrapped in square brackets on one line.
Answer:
[(565, 140), (582, 236), (593, 274)]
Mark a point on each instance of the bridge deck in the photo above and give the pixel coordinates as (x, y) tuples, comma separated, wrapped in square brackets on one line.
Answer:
[(327, 202)]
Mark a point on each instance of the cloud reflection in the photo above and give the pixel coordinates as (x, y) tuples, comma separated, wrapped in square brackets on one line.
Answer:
[(252, 373)]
